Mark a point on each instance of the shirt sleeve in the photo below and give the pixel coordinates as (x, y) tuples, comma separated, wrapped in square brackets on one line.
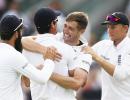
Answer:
[(41, 76), (121, 73), (83, 61), (98, 47)]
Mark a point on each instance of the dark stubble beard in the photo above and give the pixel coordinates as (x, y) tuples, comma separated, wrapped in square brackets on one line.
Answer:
[(18, 43)]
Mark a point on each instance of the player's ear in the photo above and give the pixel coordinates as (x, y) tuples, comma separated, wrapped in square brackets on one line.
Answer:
[(16, 34), (82, 31), (52, 25)]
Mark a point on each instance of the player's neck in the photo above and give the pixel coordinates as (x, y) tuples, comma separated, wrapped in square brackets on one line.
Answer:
[(10, 42), (75, 43)]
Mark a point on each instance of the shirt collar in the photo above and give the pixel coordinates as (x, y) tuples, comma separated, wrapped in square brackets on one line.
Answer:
[(122, 43), (80, 43)]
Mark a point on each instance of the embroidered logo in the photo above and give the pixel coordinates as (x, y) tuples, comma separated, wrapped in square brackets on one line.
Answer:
[(119, 60)]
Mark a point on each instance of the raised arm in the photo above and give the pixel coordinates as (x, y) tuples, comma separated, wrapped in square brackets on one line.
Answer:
[(48, 52), (22, 66), (108, 67), (28, 43), (120, 73)]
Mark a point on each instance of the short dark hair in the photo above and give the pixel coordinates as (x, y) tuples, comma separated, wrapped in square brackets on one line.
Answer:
[(9, 25), (80, 17)]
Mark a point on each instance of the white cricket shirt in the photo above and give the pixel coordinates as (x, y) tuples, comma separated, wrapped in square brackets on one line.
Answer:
[(12, 65), (118, 86)]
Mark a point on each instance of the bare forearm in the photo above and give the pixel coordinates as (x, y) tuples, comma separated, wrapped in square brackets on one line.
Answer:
[(47, 52), (65, 81), (108, 67), (29, 44), (77, 80)]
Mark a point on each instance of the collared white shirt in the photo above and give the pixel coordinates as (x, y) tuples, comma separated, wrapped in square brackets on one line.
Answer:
[(118, 86), (10, 78)]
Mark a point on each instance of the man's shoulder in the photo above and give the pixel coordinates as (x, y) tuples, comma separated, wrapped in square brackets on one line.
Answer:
[(8, 49), (63, 45), (104, 43), (64, 48), (11, 56)]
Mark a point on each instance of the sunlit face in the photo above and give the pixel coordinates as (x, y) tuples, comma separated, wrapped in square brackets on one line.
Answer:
[(116, 32), (71, 33)]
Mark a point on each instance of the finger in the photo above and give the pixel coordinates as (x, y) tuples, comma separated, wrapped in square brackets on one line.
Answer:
[(57, 58), (40, 66), (49, 54), (58, 55)]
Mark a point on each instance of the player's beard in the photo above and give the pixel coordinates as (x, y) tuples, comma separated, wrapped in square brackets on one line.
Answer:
[(18, 43)]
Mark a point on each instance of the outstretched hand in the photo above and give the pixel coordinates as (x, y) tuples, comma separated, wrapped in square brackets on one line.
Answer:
[(88, 50)]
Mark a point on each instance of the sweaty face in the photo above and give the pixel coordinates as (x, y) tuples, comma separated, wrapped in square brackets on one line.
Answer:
[(71, 33), (117, 32), (18, 43)]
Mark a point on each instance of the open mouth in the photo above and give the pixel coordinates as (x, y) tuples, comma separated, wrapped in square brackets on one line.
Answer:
[(67, 36)]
